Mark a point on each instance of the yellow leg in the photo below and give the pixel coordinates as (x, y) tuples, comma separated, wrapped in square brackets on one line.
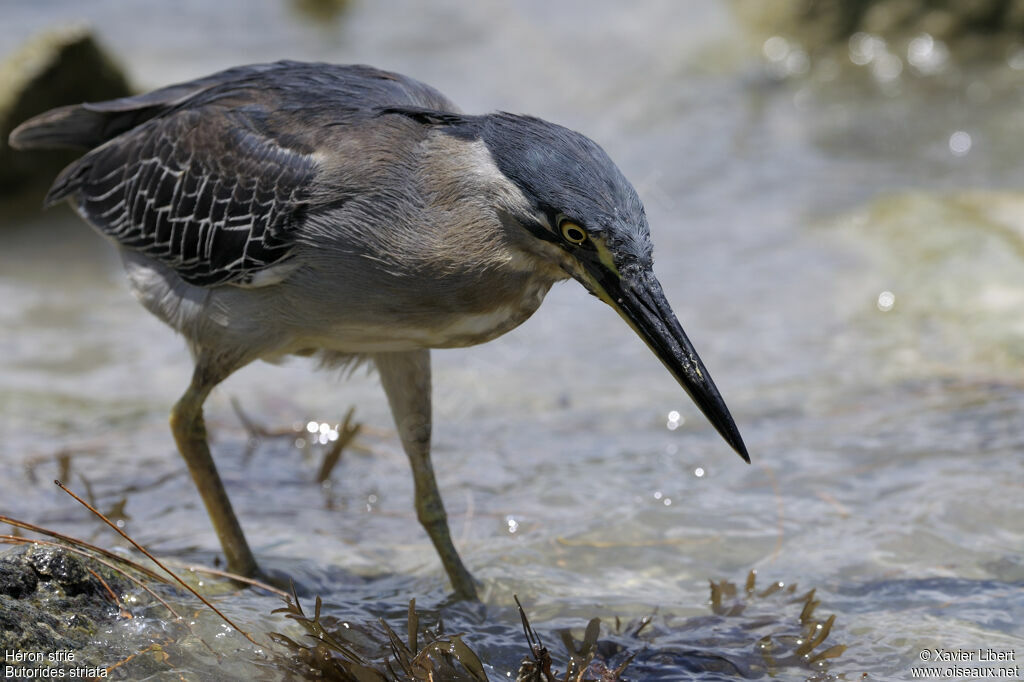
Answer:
[(190, 434), (406, 380)]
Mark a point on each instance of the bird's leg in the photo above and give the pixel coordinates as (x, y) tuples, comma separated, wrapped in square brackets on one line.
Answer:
[(190, 434), (406, 380)]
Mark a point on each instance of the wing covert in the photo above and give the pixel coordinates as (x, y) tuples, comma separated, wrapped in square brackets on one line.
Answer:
[(210, 196)]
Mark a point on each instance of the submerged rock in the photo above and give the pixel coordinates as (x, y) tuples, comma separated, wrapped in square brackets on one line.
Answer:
[(822, 22), (940, 290), (886, 38), (320, 11), (53, 600), (63, 66)]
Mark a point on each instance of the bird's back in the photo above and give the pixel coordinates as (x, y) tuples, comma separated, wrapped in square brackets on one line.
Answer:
[(292, 206), (316, 86), (213, 177)]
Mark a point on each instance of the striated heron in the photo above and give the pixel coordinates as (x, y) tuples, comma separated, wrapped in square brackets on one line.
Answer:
[(355, 215)]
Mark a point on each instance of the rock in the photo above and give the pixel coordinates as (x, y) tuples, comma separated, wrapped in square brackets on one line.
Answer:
[(822, 25), (50, 601), (16, 580), (64, 569), (63, 66), (953, 262), (320, 12)]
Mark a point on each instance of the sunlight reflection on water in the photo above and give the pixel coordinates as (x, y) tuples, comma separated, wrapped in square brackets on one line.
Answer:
[(886, 447)]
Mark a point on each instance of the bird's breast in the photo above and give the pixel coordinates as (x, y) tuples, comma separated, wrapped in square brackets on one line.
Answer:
[(434, 314), (456, 329)]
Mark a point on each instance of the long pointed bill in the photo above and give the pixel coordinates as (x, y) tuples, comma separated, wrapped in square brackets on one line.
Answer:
[(641, 302)]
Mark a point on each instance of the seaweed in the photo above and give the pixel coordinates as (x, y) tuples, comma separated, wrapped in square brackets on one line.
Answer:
[(354, 654), (751, 632)]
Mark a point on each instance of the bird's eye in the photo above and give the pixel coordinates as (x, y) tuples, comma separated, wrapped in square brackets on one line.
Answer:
[(573, 233)]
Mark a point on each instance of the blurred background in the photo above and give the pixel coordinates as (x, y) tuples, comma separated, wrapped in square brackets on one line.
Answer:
[(833, 188)]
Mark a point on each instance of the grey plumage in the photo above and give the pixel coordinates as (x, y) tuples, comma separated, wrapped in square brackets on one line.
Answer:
[(213, 178), (345, 211), (567, 173)]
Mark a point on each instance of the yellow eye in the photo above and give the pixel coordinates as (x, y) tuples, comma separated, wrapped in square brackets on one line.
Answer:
[(573, 233)]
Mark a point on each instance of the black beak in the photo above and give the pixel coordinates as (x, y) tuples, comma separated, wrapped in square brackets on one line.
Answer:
[(641, 301)]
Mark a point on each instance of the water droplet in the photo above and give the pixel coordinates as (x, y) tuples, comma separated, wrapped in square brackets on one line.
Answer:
[(775, 48), (865, 48), (887, 67), (675, 420), (797, 63), (667, 502), (960, 143), (919, 48), (657, 494), (886, 300), (312, 427), (699, 472), (927, 55)]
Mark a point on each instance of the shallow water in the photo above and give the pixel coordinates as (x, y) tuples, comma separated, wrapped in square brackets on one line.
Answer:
[(855, 287)]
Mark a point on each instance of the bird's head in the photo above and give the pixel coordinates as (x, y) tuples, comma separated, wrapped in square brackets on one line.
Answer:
[(592, 223), (575, 209)]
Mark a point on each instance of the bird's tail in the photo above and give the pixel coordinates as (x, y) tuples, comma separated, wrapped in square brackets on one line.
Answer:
[(89, 125), (85, 126), (78, 126), (73, 127)]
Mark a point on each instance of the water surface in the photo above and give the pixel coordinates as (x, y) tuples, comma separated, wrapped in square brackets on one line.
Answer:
[(851, 276)]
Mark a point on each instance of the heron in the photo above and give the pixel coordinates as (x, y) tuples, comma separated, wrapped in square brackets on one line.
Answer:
[(358, 216)]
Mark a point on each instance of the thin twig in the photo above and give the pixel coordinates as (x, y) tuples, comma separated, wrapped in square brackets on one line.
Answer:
[(149, 573), (234, 576), (157, 562), (125, 613), (256, 429), (348, 432), (151, 647)]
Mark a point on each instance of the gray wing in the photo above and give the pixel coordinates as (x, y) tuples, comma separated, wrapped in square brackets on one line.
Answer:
[(203, 194), (213, 178)]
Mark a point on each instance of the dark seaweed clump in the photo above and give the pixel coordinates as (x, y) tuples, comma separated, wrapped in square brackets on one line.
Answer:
[(750, 634)]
